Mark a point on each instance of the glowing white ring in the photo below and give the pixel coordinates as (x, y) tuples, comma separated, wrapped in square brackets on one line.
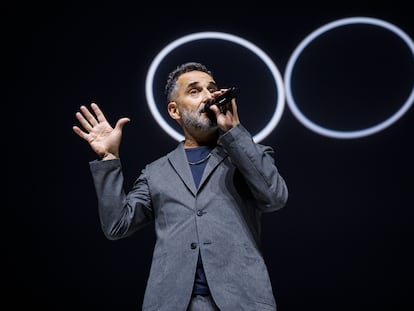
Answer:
[(224, 36), (344, 134)]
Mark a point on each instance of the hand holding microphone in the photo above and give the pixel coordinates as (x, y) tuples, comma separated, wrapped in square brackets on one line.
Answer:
[(224, 103), (221, 100)]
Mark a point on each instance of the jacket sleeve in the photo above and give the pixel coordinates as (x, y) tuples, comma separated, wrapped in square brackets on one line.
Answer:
[(257, 164), (120, 214)]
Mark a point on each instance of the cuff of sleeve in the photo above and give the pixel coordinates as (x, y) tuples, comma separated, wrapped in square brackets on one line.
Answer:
[(97, 165), (236, 133)]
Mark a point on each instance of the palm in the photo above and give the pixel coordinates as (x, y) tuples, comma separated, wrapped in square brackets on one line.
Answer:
[(103, 138), (100, 135)]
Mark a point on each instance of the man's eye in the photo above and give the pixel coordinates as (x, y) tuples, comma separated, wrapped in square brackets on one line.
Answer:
[(193, 91)]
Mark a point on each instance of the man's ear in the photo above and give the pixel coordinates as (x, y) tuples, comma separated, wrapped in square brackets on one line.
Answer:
[(173, 110)]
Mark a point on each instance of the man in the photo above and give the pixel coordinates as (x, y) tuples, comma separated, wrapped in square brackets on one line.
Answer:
[(206, 198)]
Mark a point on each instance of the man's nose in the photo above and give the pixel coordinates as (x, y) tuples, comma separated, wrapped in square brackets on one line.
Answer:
[(207, 95)]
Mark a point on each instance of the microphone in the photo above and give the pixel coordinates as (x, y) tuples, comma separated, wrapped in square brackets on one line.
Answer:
[(221, 100)]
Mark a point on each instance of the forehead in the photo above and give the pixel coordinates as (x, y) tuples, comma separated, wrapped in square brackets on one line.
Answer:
[(194, 77)]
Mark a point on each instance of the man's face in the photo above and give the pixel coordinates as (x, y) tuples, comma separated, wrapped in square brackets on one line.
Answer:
[(193, 90)]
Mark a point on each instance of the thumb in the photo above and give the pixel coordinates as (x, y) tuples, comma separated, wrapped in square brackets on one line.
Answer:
[(121, 123)]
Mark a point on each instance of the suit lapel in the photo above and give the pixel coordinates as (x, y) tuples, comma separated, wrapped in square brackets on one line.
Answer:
[(217, 156), (178, 160)]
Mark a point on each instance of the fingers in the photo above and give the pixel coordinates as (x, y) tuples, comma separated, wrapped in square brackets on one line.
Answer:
[(78, 131), (215, 109), (234, 111), (228, 119), (121, 123), (89, 116), (229, 108), (87, 119), (90, 121), (98, 112), (85, 124)]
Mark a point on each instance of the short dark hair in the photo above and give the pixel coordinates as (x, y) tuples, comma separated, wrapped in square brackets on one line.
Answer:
[(177, 72)]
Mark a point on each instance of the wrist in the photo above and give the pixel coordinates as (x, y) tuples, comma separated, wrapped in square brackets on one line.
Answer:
[(108, 156)]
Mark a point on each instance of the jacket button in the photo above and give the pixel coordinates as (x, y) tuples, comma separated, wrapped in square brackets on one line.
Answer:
[(193, 245), (200, 213)]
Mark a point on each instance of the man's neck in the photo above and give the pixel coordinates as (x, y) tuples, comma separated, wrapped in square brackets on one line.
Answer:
[(197, 137), (206, 140)]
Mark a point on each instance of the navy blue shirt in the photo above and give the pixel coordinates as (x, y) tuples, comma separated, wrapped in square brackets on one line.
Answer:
[(198, 158)]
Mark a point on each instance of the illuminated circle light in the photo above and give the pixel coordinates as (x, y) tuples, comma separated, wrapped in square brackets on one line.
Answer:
[(343, 134), (220, 36)]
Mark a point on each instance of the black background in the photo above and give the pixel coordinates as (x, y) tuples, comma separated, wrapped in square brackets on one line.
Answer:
[(344, 240)]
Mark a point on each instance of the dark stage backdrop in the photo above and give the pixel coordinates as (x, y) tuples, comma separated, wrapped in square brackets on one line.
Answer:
[(344, 240)]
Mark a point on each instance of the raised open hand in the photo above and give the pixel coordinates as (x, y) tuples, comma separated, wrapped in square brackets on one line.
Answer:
[(103, 139)]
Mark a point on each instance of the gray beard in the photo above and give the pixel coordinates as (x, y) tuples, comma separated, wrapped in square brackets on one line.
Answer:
[(193, 119)]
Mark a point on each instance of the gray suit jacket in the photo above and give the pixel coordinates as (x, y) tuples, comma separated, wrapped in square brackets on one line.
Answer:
[(220, 219)]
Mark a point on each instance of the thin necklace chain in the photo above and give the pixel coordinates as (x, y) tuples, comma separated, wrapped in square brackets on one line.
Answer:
[(200, 161)]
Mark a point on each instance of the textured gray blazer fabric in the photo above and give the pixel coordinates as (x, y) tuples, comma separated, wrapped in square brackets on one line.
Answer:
[(221, 220)]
